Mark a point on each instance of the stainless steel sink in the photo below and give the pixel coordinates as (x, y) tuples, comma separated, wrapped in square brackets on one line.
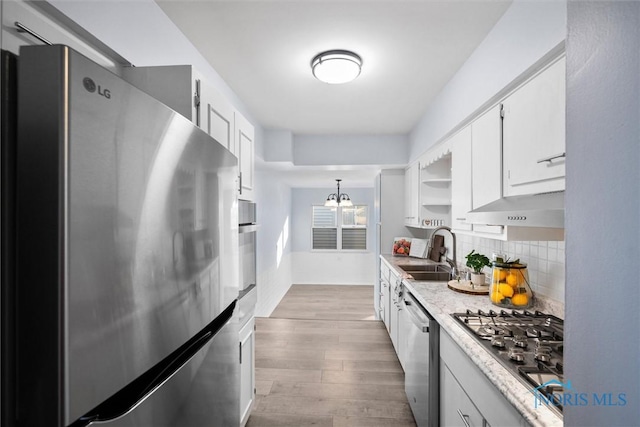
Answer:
[(430, 276), (423, 267), (428, 272)]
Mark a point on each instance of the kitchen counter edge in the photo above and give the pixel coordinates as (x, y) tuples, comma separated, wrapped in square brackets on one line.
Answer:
[(441, 302)]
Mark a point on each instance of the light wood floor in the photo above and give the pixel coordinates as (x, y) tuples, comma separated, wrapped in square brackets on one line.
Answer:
[(322, 360)]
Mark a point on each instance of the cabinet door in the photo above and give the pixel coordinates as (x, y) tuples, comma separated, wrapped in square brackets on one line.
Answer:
[(176, 86), (384, 303), (461, 179), (411, 181), (534, 134), (456, 409), (247, 370), (245, 152), (384, 294), (218, 114), (486, 163), (393, 310)]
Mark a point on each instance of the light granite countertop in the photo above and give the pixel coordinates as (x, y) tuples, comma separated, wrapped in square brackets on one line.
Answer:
[(441, 302)]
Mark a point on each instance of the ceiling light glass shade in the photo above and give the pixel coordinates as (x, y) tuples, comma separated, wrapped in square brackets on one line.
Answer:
[(336, 66), (345, 200), (332, 201)]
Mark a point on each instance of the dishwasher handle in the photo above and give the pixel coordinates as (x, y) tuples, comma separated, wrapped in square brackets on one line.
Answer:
[(414, 313)]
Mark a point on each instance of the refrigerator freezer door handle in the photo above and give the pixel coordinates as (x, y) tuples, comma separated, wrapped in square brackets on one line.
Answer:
[(132, 395)]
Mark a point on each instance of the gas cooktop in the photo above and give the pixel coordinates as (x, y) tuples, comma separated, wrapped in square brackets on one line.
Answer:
[(529, 345)]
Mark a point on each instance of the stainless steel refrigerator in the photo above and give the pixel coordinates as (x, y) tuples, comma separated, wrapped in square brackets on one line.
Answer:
[(126, 255)]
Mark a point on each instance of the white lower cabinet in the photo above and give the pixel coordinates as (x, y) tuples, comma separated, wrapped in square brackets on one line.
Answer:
[(394, 315), (467, 395), (456, 409), (247, 371), (385, 302), (403, 333)]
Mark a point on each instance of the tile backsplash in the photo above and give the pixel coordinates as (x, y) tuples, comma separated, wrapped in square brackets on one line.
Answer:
[(545, 260)]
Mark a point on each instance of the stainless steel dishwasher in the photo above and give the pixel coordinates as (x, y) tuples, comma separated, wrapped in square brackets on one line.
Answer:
[(422, 364)]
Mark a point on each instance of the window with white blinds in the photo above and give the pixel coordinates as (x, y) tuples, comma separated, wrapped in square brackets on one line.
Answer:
[(341, 228)]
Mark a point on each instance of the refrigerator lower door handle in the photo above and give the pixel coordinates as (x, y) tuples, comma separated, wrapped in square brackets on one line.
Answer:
[(136, 392)]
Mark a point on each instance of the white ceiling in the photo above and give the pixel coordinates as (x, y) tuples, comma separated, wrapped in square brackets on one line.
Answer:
[(262, 49)]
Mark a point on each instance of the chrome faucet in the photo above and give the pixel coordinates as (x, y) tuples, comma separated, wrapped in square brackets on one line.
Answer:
[(452, 262)]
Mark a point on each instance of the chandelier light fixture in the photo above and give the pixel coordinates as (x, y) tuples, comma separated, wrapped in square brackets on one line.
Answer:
[(338, 199), (336, 66)]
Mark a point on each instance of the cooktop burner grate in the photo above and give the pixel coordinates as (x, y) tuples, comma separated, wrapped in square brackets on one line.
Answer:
[(529, 344)]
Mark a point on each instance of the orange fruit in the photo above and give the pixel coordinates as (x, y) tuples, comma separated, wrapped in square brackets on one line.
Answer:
[(505, 290), (512, 279), (498, 275), (520, 299), (496, 297)]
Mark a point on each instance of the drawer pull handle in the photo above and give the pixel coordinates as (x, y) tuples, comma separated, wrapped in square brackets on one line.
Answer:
[(550, 158)]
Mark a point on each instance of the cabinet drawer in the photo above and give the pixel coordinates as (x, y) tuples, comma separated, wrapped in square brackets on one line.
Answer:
[(493, 406), (456, 409)]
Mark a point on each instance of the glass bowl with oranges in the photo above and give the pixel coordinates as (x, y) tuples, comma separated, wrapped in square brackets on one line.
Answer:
[(510, 285)]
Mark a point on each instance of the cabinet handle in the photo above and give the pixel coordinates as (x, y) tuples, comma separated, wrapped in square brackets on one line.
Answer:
[(196, 101), (549, 159), (461, 219), (464, 418), (24, 29)]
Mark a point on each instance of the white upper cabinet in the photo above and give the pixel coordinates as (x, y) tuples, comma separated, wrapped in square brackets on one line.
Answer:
[(411, 195), (244, 142), (486, 162), (534, 134), (217, 117), (461, 179), (182, 89), (176, 86)]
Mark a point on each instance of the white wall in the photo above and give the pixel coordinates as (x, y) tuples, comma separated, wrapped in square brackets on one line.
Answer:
[(525, 33), (350, 150), (602, 331), (274, 257), (330, 267)]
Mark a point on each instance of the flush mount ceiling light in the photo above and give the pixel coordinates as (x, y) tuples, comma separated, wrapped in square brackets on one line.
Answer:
[(336, 66), (338, 199)]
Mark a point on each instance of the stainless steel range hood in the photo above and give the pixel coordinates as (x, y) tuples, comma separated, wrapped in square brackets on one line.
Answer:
[(545, 210)]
